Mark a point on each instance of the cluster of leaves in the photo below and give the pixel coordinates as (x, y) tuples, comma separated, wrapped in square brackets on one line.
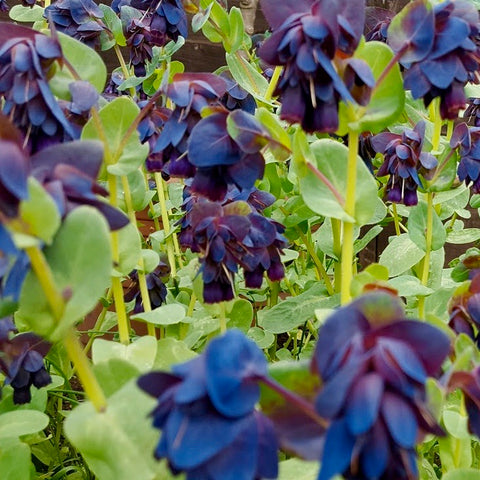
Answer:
[(263, 181)]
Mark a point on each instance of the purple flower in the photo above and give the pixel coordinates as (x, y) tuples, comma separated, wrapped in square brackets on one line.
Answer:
[(206, 411), (449, 55), (14, 169), (307, 37), (236, 97), (80, 19), (466, 140), (374, 363), (229, 236), (157, 291), (26, 59), (472, 112), (21, 361), (403, 161), (469, 384), (69, 171)]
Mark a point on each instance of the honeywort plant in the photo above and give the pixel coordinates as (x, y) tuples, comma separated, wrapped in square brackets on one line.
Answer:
[(185, 285)]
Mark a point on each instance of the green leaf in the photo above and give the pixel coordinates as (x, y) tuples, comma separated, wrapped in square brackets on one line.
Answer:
[(140, 353), (117, 444), (15, 460), (116, 118), (151, 259), (241, 315), (114, 373), (164, 315), (87, 63), (456, 424), (22, 422), (408, 286), (387, 100), (261, 337), (417, 227), (400, 255), (295, 311), (171, 351), (129, 247), (19, 13), (237, 30), (331, 159), (467, 235), (462, 474), (297, 469), (40, 212), (282, 149), (80, 259), (201, 18), (247, 76), (114, 24), (455, 453)]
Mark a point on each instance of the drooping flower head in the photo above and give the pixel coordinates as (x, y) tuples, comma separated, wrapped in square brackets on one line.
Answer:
[(21, 361), (443, 54), (307, 37), (80, 19), (230, 236), (236, 97), (403, 162), (374, 363), (467, 142), (26, 57), (206, 411)]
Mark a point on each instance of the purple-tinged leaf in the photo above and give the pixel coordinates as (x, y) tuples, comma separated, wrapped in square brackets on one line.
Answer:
[(247, 131)]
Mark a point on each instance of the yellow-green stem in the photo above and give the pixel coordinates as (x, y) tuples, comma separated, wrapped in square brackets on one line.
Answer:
[(98, 324), (273, 82), (44, 275), (434, 111), (450, 125), (395, 219), (166, 224), (337, 250), (191, 305), (348, 227), (84, 372), (123, 66), (428, 250), (223, 317), (123, 326)]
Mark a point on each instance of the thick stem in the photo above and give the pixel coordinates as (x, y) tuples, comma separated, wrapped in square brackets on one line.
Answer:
[(428, 250), (122, 319), (125, 71), (434, 111), (223, 317), (348, 227), (166, 224), (84, 372), (273, 82)]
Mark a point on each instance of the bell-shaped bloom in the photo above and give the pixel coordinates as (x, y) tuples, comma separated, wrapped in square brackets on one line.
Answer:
[(26, 60), (230, 236), (21, 361), (403, 162), (69, 172), (206, 411), (236, 97), (80, 19), (450, 54), (307, 37), (157, 290), (374, 363), (467, 141)]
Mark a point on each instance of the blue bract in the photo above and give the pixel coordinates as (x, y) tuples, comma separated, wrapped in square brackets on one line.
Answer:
[(206, 410), (404, 160), (307, 36), (374, 364)]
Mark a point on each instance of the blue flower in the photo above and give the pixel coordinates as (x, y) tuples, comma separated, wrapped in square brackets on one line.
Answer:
[(206, 411), (374, 363)]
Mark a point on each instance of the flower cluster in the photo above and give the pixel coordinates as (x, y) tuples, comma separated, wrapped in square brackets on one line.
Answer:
[(307, 38), (450, 55), (374, 363), (206, 411), (466, 141), (21, 361), (26, 57), (80, 19), (228, 235), (403, 162)]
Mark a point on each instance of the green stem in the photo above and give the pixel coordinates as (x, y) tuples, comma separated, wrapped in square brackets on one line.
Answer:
[(428, 250), (274, 290), (84, 372), (437, 123), (337, 250), (98, 324), (273, 82), (166, 224), (450, 125), (44, 275), (223, 317), (74, 350), (395, 219), (348, 227), (122, 319), (191, 304), (123, 66)]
